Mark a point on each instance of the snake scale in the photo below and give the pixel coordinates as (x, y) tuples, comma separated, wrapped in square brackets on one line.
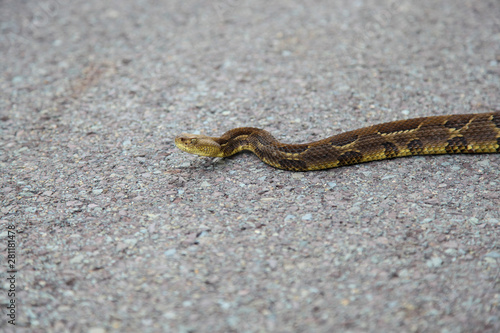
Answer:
[(449, 134)]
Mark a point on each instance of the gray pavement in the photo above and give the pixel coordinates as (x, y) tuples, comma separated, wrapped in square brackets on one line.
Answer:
[(115, 230)]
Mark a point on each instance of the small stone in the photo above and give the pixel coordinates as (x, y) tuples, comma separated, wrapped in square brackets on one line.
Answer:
[(493, 254), (434, 262), (121, 246), (170, 315), (450, 252), (77, 259), (404, 273), (30, 209), (289, 217), (17, 79), (170, 252), (484, 163), (491, 261), (450, 244), (97, 191), (474, 220), (130, 242), (307, 217), (493, 221), (273, 263)]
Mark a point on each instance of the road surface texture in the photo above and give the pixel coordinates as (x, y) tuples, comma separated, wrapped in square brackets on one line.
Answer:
[(113, 229)]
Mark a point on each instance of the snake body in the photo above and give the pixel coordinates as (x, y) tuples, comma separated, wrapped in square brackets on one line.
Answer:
[(449, 134)]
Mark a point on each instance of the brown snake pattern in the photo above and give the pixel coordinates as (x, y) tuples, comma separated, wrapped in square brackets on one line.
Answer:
[(450, 134)]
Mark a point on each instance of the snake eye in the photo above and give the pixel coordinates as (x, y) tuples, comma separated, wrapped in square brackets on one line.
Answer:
[(193, 141)]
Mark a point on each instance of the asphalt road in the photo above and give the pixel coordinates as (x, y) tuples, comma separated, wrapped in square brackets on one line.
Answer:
[(110, 228)]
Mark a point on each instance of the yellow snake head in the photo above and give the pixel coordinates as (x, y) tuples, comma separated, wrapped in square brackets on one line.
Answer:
[(198, 144)]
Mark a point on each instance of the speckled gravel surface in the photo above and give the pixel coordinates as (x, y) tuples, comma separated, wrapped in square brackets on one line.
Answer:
[(118, 231)]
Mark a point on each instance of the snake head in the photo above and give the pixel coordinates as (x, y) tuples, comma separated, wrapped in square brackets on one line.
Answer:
[(198, 144)]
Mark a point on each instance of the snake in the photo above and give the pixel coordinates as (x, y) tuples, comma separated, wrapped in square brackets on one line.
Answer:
[(446, 134)]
